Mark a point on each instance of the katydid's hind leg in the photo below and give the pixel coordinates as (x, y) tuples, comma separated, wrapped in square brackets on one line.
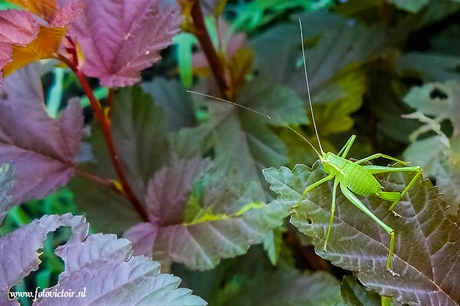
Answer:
[(331, 220), (385, 195), (353, 199), (378, 155)]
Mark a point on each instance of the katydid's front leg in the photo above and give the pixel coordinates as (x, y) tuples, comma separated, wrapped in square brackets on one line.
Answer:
[(353, 199), (389, 195), (314, 185)]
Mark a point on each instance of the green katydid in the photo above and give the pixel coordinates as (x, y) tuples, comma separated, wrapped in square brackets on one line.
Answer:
[(352, 177)]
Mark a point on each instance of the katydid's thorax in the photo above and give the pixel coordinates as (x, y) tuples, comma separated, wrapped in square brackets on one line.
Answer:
[(350, 175)]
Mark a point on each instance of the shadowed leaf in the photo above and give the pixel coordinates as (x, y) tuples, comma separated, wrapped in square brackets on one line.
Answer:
[(243, 142), (285, 286), (355, 294), (339, 40), (108, 210)]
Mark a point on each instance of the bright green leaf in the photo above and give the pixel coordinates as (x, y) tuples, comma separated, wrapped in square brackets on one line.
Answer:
[(412, 6), (441, 100)]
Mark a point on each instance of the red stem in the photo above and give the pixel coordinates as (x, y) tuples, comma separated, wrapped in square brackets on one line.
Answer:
[(98, 180), (107, 132), (208, 48)]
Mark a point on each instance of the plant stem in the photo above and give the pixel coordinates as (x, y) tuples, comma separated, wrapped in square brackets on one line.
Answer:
[(107, 132), (98, 180), (208, 48)]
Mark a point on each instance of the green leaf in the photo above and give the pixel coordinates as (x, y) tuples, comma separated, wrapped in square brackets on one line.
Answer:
[(282, 287), (184, 42), (441, 70), (412, 6), (273, 242), (426, 153), (448, 180), (243, 143), (335, 117), (355, 294), (108, 210), (440, 100), (140, 137), (260, 12), (176, 103), (427, 235)]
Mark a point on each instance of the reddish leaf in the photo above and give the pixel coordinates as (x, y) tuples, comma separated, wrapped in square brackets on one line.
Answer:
[(16, 27), (44, 46), (120, 38), (42, 148), (216, 220), (24, 41), (67, 14)]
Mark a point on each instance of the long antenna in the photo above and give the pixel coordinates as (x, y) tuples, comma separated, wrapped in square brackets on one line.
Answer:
[(254, 111), (308, 87), (227, 101)]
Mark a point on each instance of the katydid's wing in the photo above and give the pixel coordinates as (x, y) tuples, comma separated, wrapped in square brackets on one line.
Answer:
[(427, 244)]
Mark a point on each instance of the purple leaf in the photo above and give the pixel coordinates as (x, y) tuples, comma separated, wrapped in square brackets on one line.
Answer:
[(119, 38), (18, 250), (99, 266), (42, 148), (216, 220), (169, 190), (143, 237)]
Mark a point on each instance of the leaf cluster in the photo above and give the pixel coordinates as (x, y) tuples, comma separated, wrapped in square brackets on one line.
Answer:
[(212, 190)]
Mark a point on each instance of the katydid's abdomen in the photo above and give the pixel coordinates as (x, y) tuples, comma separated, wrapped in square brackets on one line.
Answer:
[(351, 175)]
